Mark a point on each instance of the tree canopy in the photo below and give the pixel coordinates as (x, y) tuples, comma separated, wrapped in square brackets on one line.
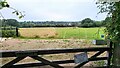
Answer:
[(113, 10), (87, 22), (113, 28)]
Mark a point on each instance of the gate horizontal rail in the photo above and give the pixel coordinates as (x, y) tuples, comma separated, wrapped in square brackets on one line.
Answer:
[(14, 53)]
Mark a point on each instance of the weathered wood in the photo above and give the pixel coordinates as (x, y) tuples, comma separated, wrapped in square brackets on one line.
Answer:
[(41, 64), (13, 62), (17, 33), (109, 53), (97, 54), (52, 51), (46, 61), (26, 53), (57, 62)]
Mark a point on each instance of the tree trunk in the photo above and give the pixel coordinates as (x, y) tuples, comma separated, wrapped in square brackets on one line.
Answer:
[(116, 55)]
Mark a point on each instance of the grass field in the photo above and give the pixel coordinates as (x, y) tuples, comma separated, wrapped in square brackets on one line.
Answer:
[(62, 33)]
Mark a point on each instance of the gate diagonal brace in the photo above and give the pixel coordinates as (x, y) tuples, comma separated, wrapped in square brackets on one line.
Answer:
[(13, 62), (46, 61)]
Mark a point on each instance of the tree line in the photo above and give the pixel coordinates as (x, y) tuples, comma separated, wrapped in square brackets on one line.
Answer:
[(87, 22)]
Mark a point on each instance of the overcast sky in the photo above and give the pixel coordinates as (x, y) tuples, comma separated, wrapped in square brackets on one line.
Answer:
[(54, 10)]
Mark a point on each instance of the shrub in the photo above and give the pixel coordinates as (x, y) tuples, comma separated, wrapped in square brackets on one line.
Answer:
[(8, 33)]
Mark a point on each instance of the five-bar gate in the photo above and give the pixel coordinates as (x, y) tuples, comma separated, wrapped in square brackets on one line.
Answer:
[(35, 54)]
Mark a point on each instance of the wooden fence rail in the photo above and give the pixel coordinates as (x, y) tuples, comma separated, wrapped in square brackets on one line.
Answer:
[(35, 55)]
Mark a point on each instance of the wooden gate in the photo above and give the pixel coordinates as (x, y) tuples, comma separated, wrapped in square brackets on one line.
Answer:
[(35, 54)]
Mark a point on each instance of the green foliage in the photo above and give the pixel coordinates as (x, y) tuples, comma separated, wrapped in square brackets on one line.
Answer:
[(100, 63), (4, 4), (9, 22), (18, 13), (87, 22), (107, 21), (27, 24), (113, 27), (8, 33)]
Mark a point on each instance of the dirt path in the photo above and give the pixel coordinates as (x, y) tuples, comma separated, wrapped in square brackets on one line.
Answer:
[(25, 44)]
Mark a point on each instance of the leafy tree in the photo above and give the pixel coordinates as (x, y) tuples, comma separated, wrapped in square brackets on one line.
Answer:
[(107, 20), (113, 27), (99, 23), (12, 22), (87, 22), (113, 24), (9, 22)]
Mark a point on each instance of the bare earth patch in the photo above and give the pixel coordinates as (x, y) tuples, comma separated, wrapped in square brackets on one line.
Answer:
[(31, 44)]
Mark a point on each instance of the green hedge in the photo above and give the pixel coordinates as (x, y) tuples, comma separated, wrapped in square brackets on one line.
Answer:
[(8, 33)]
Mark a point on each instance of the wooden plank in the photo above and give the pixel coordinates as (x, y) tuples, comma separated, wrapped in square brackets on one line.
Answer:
[(97, 54), (13, 62), (42, 64), (17, 33), (53, 51), (29, 53), (46, 61)]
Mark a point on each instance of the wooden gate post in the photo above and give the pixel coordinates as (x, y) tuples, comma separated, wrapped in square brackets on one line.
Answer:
[(17, 33), (109, 43)]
